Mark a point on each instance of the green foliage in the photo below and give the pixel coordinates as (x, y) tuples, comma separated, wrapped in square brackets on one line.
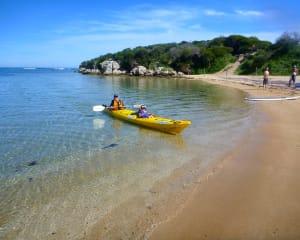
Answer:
[(240, 44), (279, 57), (188, 57), (253, 63)]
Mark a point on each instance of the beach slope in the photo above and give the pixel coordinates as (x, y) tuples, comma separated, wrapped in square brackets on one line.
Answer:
[(255, 194)]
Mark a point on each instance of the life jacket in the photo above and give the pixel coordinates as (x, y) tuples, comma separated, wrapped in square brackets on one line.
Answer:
[(117, 105), (143, 113)]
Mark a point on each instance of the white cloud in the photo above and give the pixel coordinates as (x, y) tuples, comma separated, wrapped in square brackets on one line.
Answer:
[(145, 19), (141, 25), (195, 27), (254, 13), (249, 13), (211, 12), (137, 19), (137, 26), (71, 50)]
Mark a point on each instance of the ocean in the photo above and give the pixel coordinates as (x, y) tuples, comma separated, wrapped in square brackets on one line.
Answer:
[(65, 169)]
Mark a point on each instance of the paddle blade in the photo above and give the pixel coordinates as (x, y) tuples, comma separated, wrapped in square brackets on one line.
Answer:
[(137, 105), (98, 108)]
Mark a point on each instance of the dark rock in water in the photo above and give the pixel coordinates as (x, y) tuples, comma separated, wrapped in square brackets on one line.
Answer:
[(110, 145), (32, 163), (18, 169), (30, 179)]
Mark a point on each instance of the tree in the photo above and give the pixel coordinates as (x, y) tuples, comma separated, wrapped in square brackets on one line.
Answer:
[(286, 43), (197, 56)]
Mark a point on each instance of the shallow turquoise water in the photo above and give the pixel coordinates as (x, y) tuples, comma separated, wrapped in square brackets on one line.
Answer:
[(47, 122)]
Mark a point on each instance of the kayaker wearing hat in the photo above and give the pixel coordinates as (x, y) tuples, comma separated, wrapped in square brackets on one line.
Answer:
[(143, 113), (116, 103)]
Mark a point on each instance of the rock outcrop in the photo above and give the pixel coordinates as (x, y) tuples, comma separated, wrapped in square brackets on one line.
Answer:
[(160, 71), (89, 71), (118, 72), (110, 67), (138, 71), (149, 72)]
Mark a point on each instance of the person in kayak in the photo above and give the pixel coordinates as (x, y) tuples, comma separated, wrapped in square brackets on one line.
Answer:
[(116, 103), (143, 113)]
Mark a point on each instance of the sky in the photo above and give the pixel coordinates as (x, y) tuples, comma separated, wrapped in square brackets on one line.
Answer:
[(64, 33)]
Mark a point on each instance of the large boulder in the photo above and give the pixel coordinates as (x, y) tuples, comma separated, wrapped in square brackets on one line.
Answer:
[(163, 71), (83, 70), (109, 66), (138, 71), (149, 72), (118, 72)]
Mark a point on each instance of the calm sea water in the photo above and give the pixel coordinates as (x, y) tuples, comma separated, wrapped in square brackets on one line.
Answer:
[(62, 165)]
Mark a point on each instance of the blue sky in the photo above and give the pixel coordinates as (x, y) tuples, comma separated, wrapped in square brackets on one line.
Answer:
[(64, 33)]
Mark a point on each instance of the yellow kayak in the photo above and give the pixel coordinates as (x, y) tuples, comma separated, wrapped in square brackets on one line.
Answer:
[(153, 122)]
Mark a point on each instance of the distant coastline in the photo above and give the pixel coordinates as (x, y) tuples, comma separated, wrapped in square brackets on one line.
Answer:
[(201, 57)]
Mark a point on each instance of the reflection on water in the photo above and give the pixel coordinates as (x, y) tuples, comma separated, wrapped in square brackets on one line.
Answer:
[(89, 163), (116, 124), (98, 123)]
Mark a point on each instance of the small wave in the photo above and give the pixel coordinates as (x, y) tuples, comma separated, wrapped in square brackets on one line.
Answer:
[(29, 68)]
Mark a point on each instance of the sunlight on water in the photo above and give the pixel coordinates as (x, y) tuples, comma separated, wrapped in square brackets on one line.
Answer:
[(62, 165)]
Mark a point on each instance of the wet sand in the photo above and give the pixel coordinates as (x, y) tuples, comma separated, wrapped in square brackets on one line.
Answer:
[(254, 194)]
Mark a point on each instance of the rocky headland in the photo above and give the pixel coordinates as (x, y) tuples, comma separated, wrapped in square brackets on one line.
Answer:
[(111, 67)]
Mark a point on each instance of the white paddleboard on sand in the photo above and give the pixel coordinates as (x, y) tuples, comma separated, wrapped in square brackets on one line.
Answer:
[(272, 98)]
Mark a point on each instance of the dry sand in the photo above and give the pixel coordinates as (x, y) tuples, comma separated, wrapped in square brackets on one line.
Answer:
[(256, 192)]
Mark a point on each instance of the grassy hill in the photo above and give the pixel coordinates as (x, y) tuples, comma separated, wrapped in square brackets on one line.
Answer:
[(210, 56)]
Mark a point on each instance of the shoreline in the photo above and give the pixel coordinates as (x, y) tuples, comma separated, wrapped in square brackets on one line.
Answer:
[(75, 194), (163, 197), (177, 216), (222, 78), (238, 81), (250, 196)]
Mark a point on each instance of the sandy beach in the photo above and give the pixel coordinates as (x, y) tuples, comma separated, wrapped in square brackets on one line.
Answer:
[(254, 194), (148, 120)]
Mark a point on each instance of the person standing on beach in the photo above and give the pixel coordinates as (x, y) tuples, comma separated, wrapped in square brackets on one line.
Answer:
[(293, 76), (266, 77)]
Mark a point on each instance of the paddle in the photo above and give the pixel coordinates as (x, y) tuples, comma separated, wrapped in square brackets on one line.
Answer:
[(100, 108), (139, 105)]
